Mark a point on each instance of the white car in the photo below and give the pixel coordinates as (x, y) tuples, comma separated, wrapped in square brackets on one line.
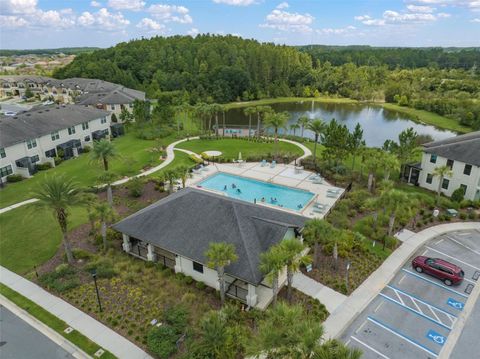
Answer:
[(9, 113)]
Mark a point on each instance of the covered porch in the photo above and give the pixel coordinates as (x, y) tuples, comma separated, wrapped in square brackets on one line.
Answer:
[(411, 173)]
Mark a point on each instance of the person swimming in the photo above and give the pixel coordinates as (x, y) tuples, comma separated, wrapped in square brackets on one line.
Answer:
[(225, 187), (239, 191), (299, 206), (263, 199), (233, 185)]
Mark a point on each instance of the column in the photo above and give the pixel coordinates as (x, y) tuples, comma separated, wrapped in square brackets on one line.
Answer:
[(178, 264), (252, 297), (127, 245), (75, 152), (150, 253)]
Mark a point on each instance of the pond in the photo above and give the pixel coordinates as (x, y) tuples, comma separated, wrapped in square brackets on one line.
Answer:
[(378, 123)]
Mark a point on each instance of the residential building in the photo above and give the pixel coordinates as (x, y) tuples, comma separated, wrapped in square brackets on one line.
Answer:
[(462, 155), (177, 230), (42, 133), (88, 92)]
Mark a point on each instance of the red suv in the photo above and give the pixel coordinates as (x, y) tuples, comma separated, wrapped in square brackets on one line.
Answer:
[(447, 272)]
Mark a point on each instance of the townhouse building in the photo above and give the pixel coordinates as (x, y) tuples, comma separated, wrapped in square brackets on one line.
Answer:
[(45, 132)]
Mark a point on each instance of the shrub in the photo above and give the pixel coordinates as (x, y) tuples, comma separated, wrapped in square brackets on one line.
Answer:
[(179, 276), (177, 318), (162, 341), (472, 215), (135, 187), (14, 178), (61, 279), (200, 285), (81, 254), (103, 267), (188, 280), (43, 166), (57, 160), (457, 195), (463, 216), (189, 298), (86, 149)]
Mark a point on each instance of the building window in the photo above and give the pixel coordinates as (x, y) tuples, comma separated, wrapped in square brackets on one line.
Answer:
[(433, 158), (429, 178), (50, 153), (35, 158), (464, 187), (87, 139), (71, 130), (31, 144), (55, 136), (445, 183), (2, 153), (130, 105), (467, 170), (85, 126), (112, 107), (450, 164), (5, 171), (197, 267), (103, 120)]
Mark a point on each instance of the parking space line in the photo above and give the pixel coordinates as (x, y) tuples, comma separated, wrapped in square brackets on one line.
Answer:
[(464, 245), (422, 301), (440, 240), (401, 279), (378, 307), (360, 327), (369, 347), (434, 283), (420, 313), (458, 260), (398, 334)]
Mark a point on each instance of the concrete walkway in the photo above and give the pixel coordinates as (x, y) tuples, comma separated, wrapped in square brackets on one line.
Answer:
[(305, 149), (327, 296), (344, 314), (16, 205), (85, 324)]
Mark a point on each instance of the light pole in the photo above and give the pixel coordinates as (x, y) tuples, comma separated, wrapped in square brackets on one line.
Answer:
[(94, 275), (346, 276)]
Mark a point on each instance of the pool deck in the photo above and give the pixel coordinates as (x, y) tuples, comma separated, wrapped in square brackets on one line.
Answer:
[(281, 174)]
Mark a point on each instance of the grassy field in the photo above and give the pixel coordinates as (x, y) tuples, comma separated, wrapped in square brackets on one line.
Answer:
[(134, 154), (53, 322), (429, 118), (31, 237), (231, 147)]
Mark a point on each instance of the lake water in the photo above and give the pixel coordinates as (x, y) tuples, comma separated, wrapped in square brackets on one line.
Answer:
[(378, 123)]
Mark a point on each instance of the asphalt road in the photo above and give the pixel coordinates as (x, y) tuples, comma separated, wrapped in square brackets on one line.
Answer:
[(18, 340), (414, 314)]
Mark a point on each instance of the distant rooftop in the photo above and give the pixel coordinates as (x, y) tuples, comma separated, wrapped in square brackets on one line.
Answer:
[(463, 148)]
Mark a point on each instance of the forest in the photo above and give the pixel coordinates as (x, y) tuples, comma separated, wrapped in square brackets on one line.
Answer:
[(221, 69)]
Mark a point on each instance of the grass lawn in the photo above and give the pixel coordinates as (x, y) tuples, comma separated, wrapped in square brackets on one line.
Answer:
[(429, 118), (231, 147), (31, 237), (53, 322), (133, 152)]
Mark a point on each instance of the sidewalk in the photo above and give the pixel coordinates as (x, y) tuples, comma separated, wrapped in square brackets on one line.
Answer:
[(327, 296), (344, 314), (88, 326)]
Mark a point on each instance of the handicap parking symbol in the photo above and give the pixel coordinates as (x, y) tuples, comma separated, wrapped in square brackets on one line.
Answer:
[(436, 337), (455, 303)]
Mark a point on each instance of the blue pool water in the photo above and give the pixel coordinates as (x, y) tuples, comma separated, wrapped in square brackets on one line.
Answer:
[(251, 190)]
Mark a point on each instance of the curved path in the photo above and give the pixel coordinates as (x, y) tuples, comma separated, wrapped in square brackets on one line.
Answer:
[(170, 157)]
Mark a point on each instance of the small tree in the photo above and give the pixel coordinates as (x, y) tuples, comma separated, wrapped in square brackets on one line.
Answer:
[(184, 174), (277, 120), (294, 127), (356, 142), (170, 176), (441, 172), (249, 111), (292, 249), (317, 232), (58, 194), (103, 151), (105, 214), (272, 263), (303, 122), (219, 256), (107, 178), (317, 126)]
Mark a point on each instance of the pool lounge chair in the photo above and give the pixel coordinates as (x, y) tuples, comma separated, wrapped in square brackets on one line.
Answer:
[(263, 163), (319, 205), (318, 210), (273, 164), (332, 195), (196, 172), (203, 168), (318, 180)]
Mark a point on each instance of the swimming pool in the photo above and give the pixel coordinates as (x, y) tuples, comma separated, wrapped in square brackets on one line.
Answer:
[(251, 190)]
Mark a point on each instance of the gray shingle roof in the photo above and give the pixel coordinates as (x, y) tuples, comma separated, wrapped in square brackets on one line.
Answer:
[(43, 120), (187, 221), (463, 148)]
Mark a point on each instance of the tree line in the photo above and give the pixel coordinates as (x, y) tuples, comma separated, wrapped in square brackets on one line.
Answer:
[(221, 69)]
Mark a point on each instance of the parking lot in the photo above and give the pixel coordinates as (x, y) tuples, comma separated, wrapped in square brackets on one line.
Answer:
[(413, 315)]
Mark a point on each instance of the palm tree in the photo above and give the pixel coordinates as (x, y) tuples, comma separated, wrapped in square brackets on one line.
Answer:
[(107, 178), (58, 194), (303, 122), (272, 263), (215, 109), (219, 256), (293, 259), (103, 151), (318, 232), (90, 200), (390, 163), (294, 127), (170, 176), (317, 126), (249, 111), (105, 215), (441, 172), (277, 120), (261, 111), (373, 160), (184, 174)]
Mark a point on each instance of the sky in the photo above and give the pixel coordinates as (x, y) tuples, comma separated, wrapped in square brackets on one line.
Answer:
[(30, 24)]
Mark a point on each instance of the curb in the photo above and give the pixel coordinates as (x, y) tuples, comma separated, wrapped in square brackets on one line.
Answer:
[(354, 305), (55, 337)]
